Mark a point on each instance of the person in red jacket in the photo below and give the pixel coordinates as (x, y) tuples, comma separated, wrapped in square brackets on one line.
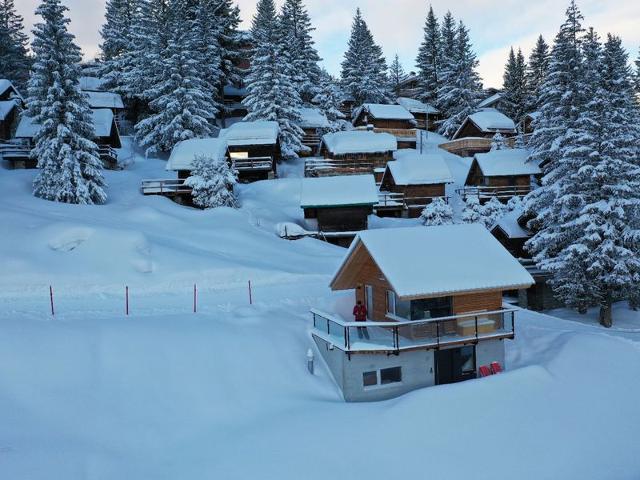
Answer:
[(360, 315)]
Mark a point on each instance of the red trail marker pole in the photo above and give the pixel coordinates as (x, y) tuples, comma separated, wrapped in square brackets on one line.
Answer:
[(51, 300), (250, 296), (195, 298), (126, 300)]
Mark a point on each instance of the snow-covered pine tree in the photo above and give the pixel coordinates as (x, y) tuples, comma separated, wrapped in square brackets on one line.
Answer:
[(460, 84), (272, 94), (328, 100), (116, 33), (227, 18), (519, 141), (427, 60), (396, 75), (438, 212), (492, 211), (69, 163), (304, 58), (472, 211), (514, 86), (14, 62), (537, 69), (212, 181), (636, 76), (181, 100), (498, 142), (364, 70), (514, 203)]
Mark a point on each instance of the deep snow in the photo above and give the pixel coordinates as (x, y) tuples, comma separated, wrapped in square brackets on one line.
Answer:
[(224, 393)]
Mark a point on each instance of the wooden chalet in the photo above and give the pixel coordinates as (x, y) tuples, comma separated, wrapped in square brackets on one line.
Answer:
[(409, 86), (435, 311), (494, 100), (233, 97), (411, 182), (314, 124), (10, 103), (347, 105), (338, 207), (393, 119), (254, 149), (502, 173), (426, 116), (477, 130), (107, 137), (353, 152), (528, 122)]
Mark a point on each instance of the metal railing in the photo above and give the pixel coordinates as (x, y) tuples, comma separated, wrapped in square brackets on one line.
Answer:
[(402, 334), (252, 163), (486, 192), (173, 186)]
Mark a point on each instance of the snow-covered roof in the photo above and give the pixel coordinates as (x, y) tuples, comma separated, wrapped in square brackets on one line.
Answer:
[(91, 84), (6, 106), (507, 162), (490, 119), (533, 115), (510, 226), (416, 106), (440, 260), (490, 101), (412, 168), (184, 153), (104, 100), (359, 141), (102, 122), (234, 91), (6, 85), (312, 118), (338, 191), (261, 132), (385, 112)]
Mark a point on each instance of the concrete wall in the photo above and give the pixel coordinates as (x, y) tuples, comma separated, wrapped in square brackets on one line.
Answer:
[(488, 351)]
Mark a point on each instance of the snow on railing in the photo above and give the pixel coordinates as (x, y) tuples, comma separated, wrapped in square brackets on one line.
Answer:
[(486, 192)]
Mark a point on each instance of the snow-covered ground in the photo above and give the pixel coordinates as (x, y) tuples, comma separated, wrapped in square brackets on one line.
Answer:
[(224, 393)]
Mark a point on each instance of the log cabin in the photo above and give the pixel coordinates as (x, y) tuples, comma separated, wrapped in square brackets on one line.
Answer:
[(314, 124), (106, 136), (393, 119), (338, 207), (501, 173), (353, 152), (426, 116), (413, 180), (254, 149), (435, 312), (477, 130), (10, 103)]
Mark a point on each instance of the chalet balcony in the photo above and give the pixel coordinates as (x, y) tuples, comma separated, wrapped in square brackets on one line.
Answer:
[(168, 187), (400, 334), (262, 164), (398, 201), (485, 193), (321, 167), (19, 153)]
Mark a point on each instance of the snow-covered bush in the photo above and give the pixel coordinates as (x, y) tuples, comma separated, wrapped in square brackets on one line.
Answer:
[(212, 181), (472, 212), (514, 203), (492, 211), (438, 212), (498, 142)]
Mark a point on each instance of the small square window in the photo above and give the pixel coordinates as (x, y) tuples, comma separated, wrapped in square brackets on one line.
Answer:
[(370, 378), (390, 375)]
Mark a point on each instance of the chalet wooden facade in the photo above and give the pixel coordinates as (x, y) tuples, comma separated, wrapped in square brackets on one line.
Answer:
[(416, 180), (501, 173), (393, 119), (10, 103), (425, 115), (353, 152), (254, 149), (314, 124), (338, 207), (434, 302)]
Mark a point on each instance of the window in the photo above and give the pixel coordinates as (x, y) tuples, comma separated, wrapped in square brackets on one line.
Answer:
[(391, 302), (368, 299), (430, 308), (370, 378), (390, 375), (239, 155), (395, 306), (467, 359)]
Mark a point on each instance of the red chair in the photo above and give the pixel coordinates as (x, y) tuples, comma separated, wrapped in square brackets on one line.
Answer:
[(496, 367), (484, 371)]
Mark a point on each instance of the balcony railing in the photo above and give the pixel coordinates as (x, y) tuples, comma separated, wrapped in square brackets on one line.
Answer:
[(252, 163), (502, 193), (320, 167), (169, 187), (398, 200), (401, 334)]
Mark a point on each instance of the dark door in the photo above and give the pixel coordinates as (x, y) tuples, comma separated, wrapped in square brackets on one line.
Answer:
[(455, 364)]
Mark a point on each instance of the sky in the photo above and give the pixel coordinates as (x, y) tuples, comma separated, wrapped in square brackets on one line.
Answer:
[(397, 25)]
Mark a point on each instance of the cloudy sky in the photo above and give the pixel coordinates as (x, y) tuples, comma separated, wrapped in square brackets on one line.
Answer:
[(397, 25)]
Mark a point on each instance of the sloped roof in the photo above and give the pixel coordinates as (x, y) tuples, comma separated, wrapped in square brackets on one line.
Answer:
[(490, 119), (6, 85), (184, 153), (260, 132), (312, 118), (102, 122), (338, 191), (439, 260), (91, 84), (507, 162), (105, 100), (490, 101), (412, 168), (416, 106), (510, 226), (385, 112), (359, 141), (6, 107)]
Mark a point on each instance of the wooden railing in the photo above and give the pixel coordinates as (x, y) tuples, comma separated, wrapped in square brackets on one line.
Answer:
[(402, 334), (394, 200), (252, 163), (485, 193), (11, 151), (319, 167), (168, 187), (402, 133), (467, 145)]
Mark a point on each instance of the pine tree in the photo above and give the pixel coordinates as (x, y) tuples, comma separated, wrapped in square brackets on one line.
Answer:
[(212, 182), (492, 211), (472, 212), (438, 212), (636, 76), (304, 58), (272, 94), (514, 203), (498, 142), (537, 69), (226, 15), (428, 60), (14, 62), (364, 68), (460, 85), (117, 36), (396, 75), (181, 100), (70, 167), (328, 100), (514, 87)]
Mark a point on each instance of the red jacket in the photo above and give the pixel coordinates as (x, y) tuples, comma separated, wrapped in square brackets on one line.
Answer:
[(360, 312)]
